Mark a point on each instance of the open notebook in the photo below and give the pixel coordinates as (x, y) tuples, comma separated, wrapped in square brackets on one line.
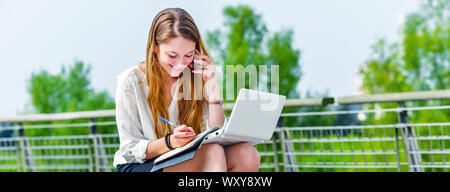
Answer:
[(181, 154)]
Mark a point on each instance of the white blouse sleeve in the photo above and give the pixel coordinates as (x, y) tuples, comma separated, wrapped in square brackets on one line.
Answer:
[(133, 144)]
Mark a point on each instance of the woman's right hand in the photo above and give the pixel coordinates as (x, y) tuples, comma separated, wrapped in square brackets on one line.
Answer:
[(181, 136)]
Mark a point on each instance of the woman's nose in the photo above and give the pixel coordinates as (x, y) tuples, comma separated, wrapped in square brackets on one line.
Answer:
[(181, 63)]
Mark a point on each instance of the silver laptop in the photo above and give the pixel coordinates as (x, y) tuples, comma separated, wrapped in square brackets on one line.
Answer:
[(253, 119)]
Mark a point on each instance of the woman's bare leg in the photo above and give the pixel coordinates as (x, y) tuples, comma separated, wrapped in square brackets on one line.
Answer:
[(209, 158), (242, 157)]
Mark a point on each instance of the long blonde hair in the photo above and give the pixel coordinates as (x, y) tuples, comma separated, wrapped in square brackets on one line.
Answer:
[(171, 23)]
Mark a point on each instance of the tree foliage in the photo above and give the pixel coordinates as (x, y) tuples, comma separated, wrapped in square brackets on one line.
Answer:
[(418, 62), (68, 91), (246, 41)]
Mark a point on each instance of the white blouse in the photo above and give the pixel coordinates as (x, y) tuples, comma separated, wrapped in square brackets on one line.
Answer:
[(134, 118)]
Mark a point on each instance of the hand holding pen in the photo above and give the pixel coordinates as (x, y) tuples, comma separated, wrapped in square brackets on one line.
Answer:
[(182, 134)]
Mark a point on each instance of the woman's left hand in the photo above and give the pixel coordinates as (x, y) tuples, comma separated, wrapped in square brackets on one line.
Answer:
[(205, 67)]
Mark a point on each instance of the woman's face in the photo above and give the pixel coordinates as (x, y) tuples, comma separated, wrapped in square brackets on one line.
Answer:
[(175, 54)]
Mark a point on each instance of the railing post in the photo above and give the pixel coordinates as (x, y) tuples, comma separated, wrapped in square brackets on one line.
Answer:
[(14, 143), (287, 148), (409, 141), (274, 144), (397, 149), (91, 165), (27, 161), (17, 143), (275, 152), (99, 150)]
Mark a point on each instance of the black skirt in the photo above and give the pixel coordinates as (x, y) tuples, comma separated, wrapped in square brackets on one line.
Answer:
[(137, 167)]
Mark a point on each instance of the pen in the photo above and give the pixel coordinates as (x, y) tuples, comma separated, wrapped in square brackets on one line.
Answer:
[(168, 122)]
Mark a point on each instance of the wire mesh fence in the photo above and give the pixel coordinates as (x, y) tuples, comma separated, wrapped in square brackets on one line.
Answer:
[(367, 148), (92, 152), (364, 146)]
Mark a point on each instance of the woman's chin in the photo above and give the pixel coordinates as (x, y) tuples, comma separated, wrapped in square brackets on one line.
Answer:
[(174, 74)]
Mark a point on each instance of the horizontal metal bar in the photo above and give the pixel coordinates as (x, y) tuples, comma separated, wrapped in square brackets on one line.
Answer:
[(397, 125), (266, 154), (14, 148), (46, 147), (111, 113), (59, 116), (8, 157), (430, 138), (361, 139), (432, 165), (107, 156), (61, 167), (114, 135), (70, 137), (65, 125), (431, 152), (228, 106), (342, 153), (309, 102), (345, 165), (336, 140), (110, 145), (381, 110), (266, 165), (395, 97), (8, 139), (12, 166), (65, 157), (352, 163)]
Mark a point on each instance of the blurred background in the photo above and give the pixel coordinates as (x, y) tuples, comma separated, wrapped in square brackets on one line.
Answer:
[(64, 56)]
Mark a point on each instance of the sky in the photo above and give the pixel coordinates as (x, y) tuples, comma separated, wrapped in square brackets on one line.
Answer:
[(334, 37)]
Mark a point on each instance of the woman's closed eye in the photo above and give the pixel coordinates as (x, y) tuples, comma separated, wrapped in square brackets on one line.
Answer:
[(174, 56)]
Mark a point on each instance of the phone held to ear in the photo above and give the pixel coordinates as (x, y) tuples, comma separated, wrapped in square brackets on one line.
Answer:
[(198, 63)]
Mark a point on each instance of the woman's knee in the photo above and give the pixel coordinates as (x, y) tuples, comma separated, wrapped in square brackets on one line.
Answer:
[(248, 150), (213, 151), (247, 157), (208, 153), (251, 156)]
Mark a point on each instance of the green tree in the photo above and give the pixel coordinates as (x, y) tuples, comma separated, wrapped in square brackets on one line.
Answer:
[(281, 52), (245, 42), (68, 91), (426, 46), (419, 62)]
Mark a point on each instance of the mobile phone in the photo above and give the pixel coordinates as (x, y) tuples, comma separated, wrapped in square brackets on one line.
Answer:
[(198, 64)]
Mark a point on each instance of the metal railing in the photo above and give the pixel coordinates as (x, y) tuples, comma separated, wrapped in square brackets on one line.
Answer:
[(310, 138)]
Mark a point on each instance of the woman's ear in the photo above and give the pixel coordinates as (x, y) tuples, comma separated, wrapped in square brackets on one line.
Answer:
[(156, 49)]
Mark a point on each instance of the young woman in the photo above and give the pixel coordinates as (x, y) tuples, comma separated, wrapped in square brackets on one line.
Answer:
[(159, 87)]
